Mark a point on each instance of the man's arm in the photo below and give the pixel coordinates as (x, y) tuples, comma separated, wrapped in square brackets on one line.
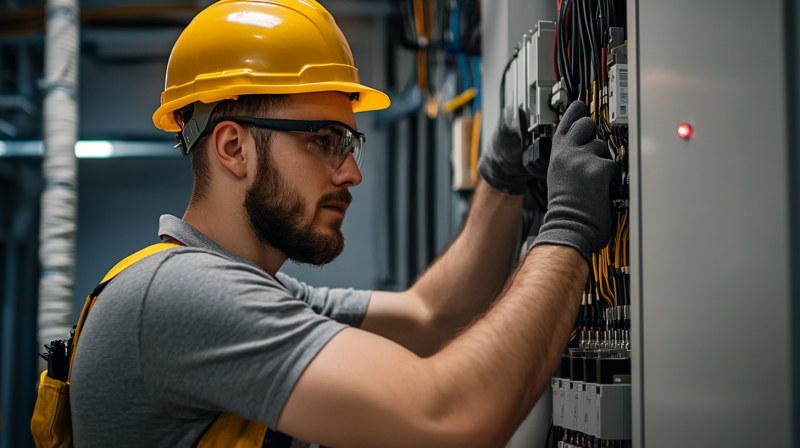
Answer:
[(459, 285), (364, 390), (465, 280)]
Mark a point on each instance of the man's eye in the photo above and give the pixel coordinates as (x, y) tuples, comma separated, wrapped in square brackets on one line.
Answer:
[(322, 142)]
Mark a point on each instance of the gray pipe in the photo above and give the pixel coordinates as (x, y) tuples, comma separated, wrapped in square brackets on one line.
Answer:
[(59, 198)]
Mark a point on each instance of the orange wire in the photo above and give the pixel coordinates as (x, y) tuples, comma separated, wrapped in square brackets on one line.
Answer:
[(625, 246), (607, 263), (422, 54), (603, 268), (621, 223)]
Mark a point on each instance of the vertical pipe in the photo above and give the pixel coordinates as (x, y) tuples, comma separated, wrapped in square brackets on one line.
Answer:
[(59, 198)]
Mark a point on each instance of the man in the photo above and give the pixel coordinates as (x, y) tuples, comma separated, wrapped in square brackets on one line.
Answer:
[(211, 327)]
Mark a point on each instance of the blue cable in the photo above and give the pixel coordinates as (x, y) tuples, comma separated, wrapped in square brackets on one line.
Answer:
[(464, 71), (476, 73)]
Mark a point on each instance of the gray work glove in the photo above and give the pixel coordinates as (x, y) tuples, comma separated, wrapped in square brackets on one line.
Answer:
[(501, 163), (578, 180)]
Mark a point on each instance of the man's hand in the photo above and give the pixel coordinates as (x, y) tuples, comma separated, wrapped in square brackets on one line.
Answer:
[(578, 179), (501, 164)]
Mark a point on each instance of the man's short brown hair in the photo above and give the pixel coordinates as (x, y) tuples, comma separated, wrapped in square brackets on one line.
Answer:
[(258, 106)]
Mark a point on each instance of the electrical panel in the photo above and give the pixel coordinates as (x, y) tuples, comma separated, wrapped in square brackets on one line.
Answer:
[(583, 56)]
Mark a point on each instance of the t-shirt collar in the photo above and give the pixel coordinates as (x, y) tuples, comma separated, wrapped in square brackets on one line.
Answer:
[(170, 226)]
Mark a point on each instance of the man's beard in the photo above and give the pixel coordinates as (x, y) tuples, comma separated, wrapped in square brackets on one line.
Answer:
[(276, 213)]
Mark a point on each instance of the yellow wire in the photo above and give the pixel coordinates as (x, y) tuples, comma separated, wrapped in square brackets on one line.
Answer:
[(596, 262), (611, 136), (616, 240), (614, 279), (612, 292), (621, 223), (604, 275), (625, 244)]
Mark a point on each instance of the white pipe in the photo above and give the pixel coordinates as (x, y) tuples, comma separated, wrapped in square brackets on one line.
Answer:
[(59, 198)]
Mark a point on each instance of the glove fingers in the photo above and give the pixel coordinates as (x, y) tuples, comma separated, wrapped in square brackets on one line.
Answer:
[(612, 168), (582, 132), (504, 139), (510, 118), (576, 111), (598, 148)]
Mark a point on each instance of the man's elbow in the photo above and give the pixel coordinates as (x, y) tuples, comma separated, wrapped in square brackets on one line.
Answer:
[(467, 433), (457, 420)]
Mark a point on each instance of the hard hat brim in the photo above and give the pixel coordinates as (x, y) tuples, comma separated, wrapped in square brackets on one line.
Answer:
[(369, 98)]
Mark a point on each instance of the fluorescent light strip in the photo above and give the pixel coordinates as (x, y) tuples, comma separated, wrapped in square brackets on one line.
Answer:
[(87, 149)]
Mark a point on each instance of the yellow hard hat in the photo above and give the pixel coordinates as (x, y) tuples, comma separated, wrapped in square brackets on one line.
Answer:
[(239, 47)]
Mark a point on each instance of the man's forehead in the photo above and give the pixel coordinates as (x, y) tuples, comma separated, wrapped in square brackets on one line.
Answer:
[(319, 106)]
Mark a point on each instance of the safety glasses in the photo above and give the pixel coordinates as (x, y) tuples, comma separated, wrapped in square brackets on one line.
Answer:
[(331, 141)]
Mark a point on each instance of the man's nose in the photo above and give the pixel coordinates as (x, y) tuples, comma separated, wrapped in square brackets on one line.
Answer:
[(348, 173)]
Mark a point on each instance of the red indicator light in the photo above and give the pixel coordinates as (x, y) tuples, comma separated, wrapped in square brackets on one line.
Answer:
[(684, 131)]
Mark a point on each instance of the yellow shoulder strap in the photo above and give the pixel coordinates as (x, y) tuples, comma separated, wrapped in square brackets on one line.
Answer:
[(121, 266), (127, 262), (232, 431), (229, 430)]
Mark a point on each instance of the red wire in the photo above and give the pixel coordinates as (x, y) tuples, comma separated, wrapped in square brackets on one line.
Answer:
[(566, 27), (555, 42), (603, 54)]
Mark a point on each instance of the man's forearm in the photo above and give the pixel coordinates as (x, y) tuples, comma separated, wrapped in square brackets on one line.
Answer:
[(518, 344), (472, 272)]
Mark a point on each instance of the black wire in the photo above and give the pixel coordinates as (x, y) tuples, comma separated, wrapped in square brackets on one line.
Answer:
[(562, 46), (585, 51), (503, 81), (574, 49), (594, 51), (613, 12)]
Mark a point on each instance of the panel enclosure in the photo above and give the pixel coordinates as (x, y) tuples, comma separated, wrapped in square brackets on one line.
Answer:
[(710, 234)]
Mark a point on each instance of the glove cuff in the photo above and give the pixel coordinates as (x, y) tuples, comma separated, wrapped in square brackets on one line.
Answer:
[(496, 180), (568, 238)]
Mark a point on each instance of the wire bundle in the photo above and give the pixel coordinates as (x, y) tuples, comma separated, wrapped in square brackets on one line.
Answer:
[(581, 49), (581, 35), (582, 39)]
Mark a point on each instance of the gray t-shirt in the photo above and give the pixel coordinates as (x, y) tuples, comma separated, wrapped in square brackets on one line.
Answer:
[(190, 332)]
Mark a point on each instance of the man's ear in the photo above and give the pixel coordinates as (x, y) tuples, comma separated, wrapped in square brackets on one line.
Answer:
[(227, 141)]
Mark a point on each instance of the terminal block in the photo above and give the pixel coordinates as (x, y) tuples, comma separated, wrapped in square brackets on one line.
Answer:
[(617, 65), (540, 78), (592, 393)]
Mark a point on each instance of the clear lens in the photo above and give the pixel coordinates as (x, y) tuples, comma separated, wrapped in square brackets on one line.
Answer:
[(334, 143), (358, 149)]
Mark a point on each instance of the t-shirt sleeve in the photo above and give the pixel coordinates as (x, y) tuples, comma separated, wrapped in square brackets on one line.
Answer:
[(221, 336), (348, 306)]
